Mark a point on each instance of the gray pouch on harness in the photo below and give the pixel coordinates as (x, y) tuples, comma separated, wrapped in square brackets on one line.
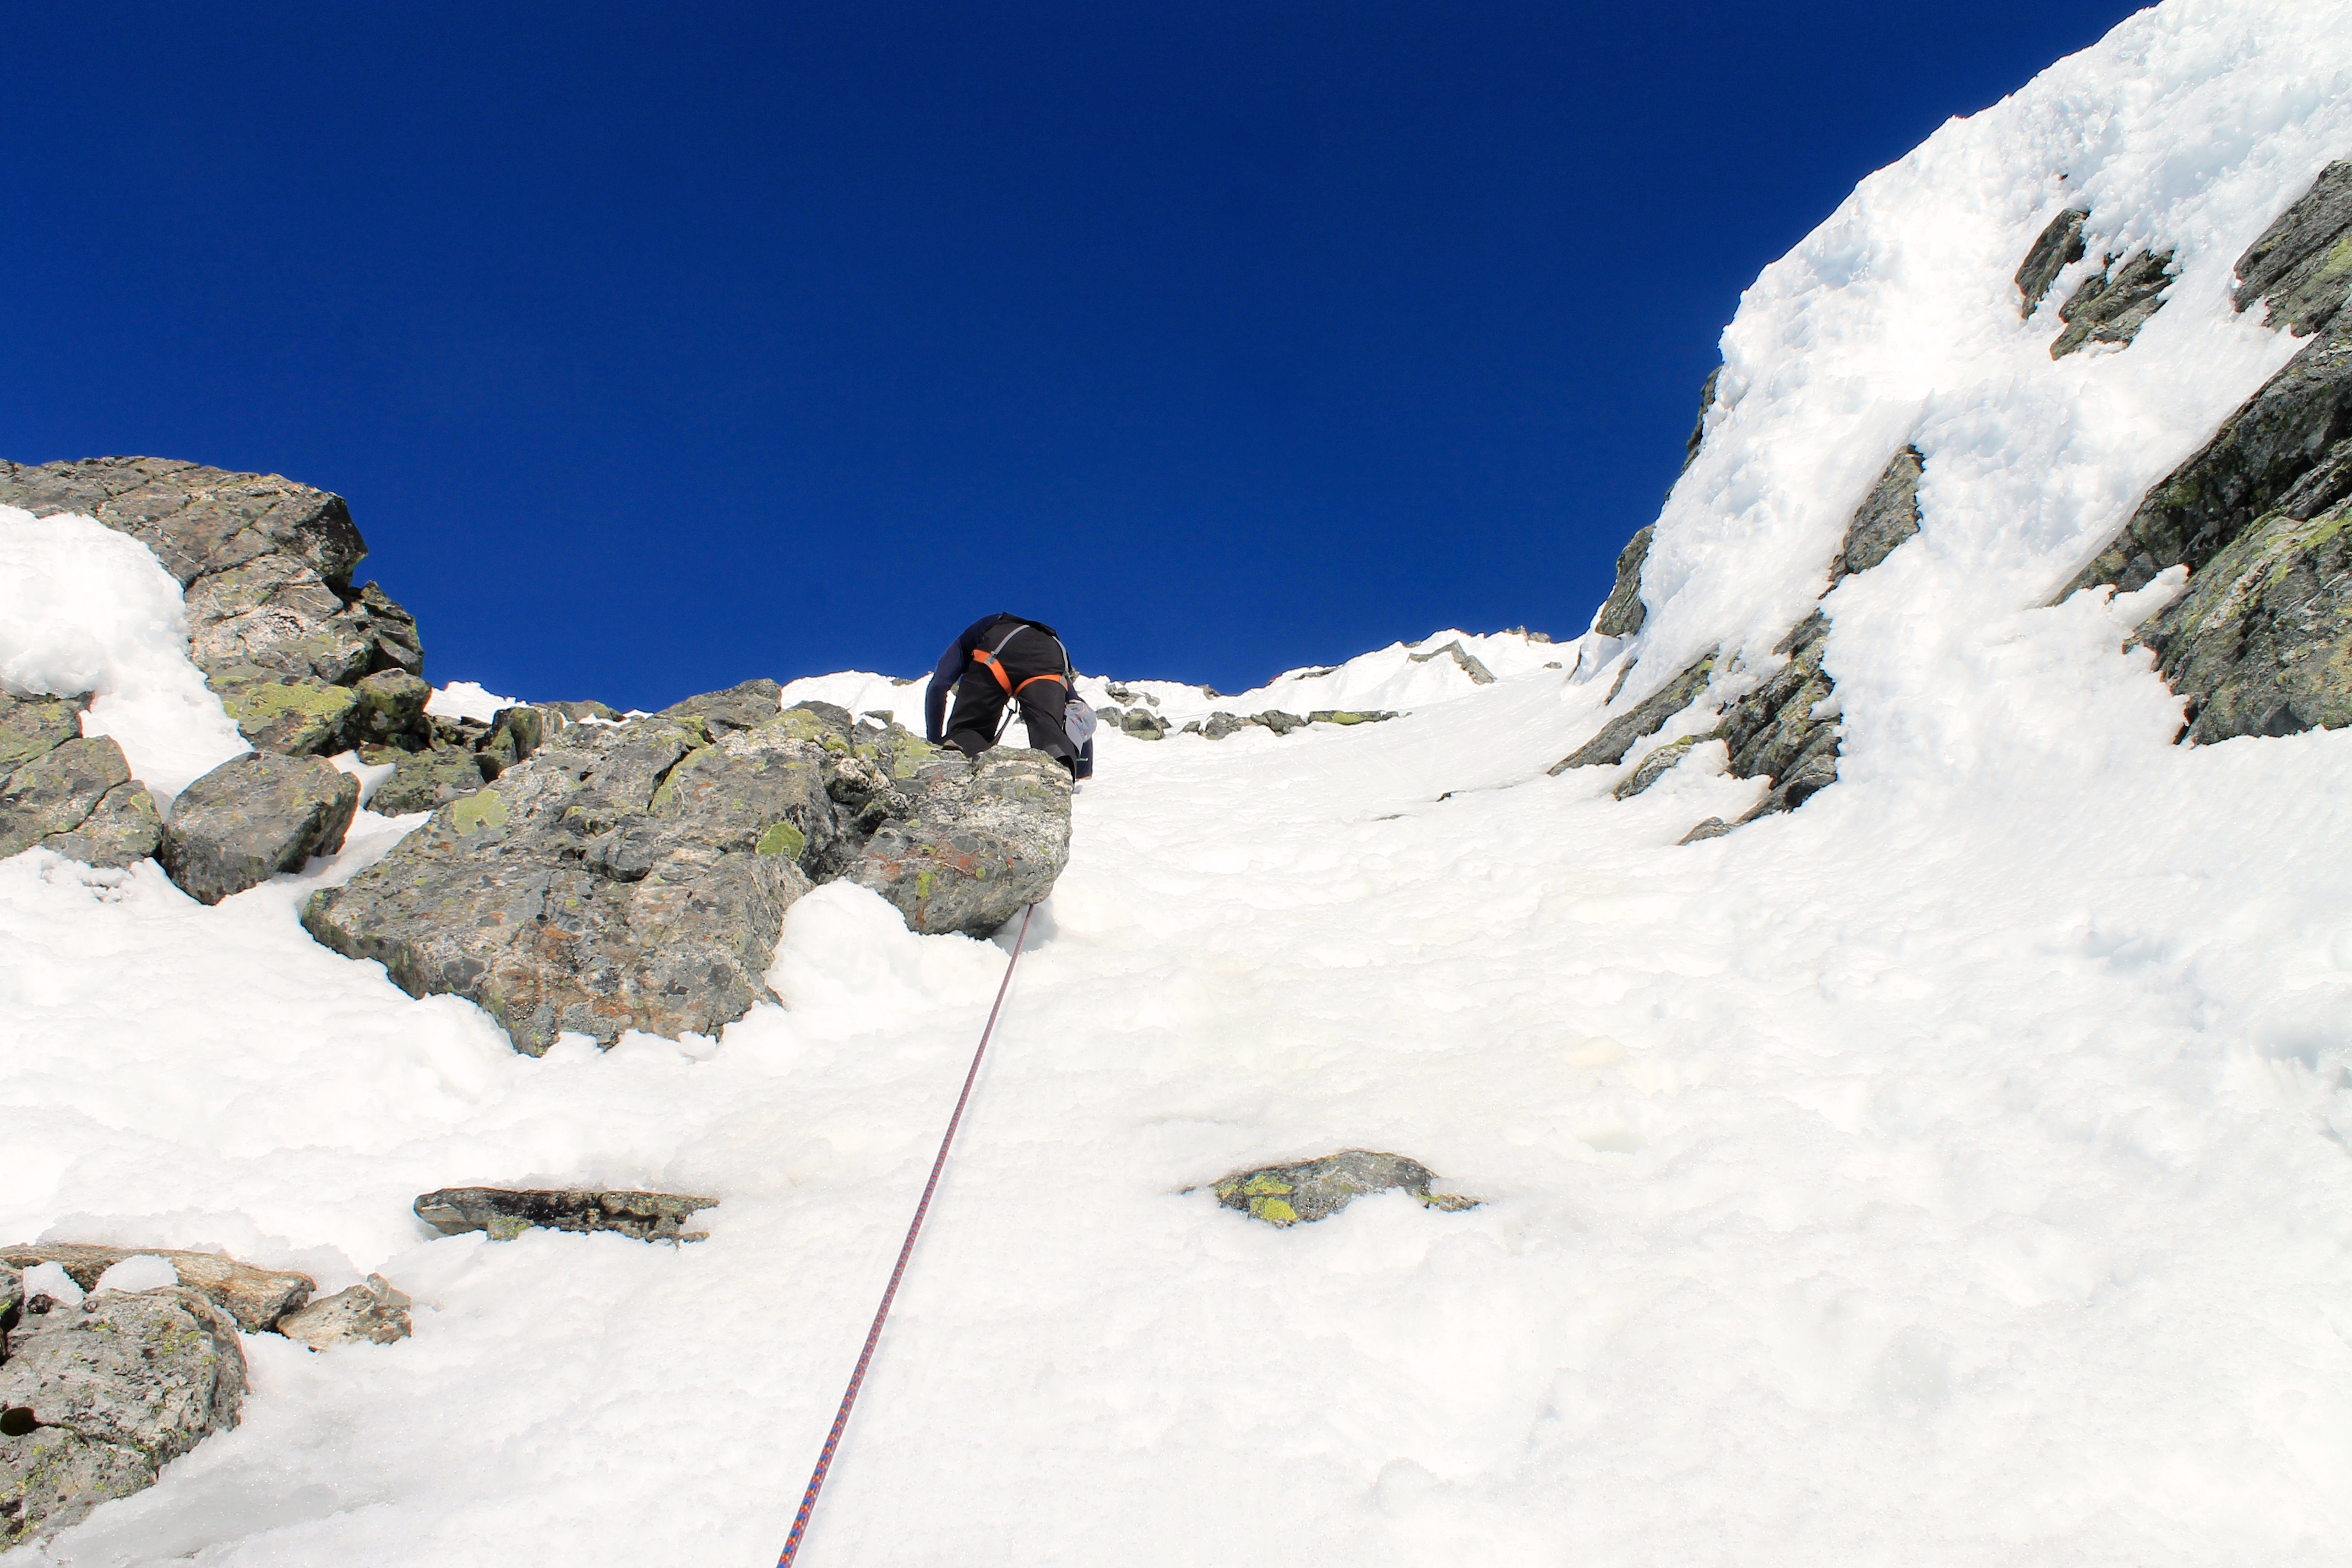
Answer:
[(1078, 721)]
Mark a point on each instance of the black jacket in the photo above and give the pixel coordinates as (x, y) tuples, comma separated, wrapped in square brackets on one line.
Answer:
[(986, 633)]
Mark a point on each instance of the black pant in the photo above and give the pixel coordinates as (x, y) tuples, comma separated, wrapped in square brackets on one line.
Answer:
[(979, 703)]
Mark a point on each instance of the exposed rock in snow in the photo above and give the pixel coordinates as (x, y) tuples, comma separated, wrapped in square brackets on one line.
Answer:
[(744, 707), (2301, 267), (1888, 516), (2057, 247), (1644, 718), (255, 1298), (99, 1398), (252, 817), (374, 1311), (2112, 307), (506, 1214), (265, 566), (1462, 660), (66, 793), (1654, 766), (1778, 732), (1315, 1189), (1698, 426), (423, 780), (984, 839), (1621, 614), (1143, 724)]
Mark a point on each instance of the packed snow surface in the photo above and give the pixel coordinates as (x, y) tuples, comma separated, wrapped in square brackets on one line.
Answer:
[(1953, 1171)]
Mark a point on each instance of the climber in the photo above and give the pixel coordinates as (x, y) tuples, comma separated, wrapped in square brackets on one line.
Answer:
[(1001, 658)]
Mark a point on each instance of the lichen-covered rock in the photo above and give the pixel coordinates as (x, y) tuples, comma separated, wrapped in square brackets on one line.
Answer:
[(35, 726), (1776, 732), (1463, 659), (1660, 762), (1888, 516), (78, 798), (392, 711), (255, 1296), (506, 1214), (2058, 246), (265, 566), (375, 1312), (984, 839), (99, 1398), (1643, 719), (627, 875), (1315, 1189), (252, 817), (2260, 643), (514, 734), (1623, 611), (423, 780), (2114, 306), (1143, 724), (744, 707), (1346, 716), (1280, 722), (2302, 266)]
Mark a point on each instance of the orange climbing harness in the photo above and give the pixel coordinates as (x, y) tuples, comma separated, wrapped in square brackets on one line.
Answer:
[(987, 660)]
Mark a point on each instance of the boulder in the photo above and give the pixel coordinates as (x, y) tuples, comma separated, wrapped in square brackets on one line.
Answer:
[(1222, 724), (1623, 611), (95, 1400), (2114, 306), (391, 711), (1275, 719), (2059, 246), (506, 1214), (744, 707), (1143, 724), (35, 726), (2261, 642), (255, 1296), (374, 1311), (77, 798), (2301, 267), (1310, 1190), (252, 817), (265, 566), (423, 780), (982, 838)]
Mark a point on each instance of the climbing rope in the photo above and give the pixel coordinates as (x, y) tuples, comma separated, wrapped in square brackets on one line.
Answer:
[(906, 1251)]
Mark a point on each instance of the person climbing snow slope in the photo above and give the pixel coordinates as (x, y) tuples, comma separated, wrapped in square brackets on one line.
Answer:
[(1005, 658)]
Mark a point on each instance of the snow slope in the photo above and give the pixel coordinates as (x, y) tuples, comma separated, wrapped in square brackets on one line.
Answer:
[(1953, 1171)]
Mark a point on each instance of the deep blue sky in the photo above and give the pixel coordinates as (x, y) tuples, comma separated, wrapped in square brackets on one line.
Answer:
[(659, 346)]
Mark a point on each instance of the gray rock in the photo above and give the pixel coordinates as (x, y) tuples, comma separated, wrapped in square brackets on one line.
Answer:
[(2260, 643), (1773, 733), (98, 1399), (35, 726), (265, 566), (1280, 722), (1464, 660), (1344, 716), (2114, 306), (423, 780), (78, 799), (630, 876), (1646, 718), (984, 839), (1888, 516), (1655, 766), (2285, 448), (255, 1298), (1713, 827), (1623, 611), (1310, 1190), (1143, 724), (2059, 246), (515, 733), (375, 1312), (506, 1214), (2302, 265), (1222, 724), (744, 707), (1698, 426), (392, 711), (252, 817)]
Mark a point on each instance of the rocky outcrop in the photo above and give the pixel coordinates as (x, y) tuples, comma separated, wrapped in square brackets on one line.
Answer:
[(1623, 611), (2301, 267), (423, 780), (1310, 1190), (977, 840), (66, 793), (2114, 306), (97, 1398), (374, 1311), (635, 873), (265, 566), (1888, 516), (255, 1298), (1644, 718), (1778, 732), (2058, 246), (1659, 762), (1220, 724), (506, 1214), (1698, 426), (252, 817), (2286, 449), (2261, 642), (1464, 660)]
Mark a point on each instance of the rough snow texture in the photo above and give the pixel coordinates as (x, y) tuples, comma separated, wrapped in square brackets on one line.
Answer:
[(1951, 1172)]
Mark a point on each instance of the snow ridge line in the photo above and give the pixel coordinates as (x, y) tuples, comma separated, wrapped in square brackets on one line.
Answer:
[(906, 1251)]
